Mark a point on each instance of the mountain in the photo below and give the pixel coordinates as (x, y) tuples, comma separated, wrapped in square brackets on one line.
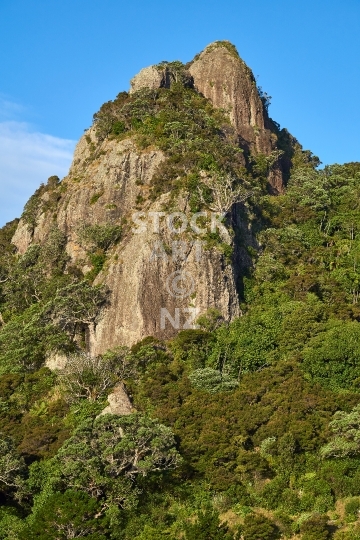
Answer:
[(179, 326), (158, 149)]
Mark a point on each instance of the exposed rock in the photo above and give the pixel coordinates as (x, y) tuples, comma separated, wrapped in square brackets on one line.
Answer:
[(145, 271), (150, 77), (142, 280), (22, 237), (137, 273), (221, 76), (119, 402), (160, 76)]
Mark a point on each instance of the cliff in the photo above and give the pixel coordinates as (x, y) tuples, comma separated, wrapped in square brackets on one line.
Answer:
[(161, 164)]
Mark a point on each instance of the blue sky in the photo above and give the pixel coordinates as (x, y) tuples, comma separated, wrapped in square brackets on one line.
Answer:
[(61, 59)]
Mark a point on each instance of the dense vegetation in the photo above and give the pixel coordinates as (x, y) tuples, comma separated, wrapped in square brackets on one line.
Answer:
[(194, 136), (244, 430)]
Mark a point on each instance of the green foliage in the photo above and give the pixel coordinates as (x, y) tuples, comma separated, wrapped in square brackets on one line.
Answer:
[(207, 527), (257, 526), (32, 207), (346, 435), (44, 198), (99, 236), (89, 377), (308, 188), (315, 528), (246, 409), (12, 466), (97, 260), (212, 380), (265, 98), (27, 280), (26, 340), (180, 122), (352, 509), (104, 456), (333, 356), (223, 43), (94, 198), (77, 304), (72, 514), (11, 524)]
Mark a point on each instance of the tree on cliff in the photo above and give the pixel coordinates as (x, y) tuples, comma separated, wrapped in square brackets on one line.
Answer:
[(225, 192)]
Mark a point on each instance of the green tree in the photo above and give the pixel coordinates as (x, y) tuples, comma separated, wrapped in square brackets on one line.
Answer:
[(99, 236), (26, 340), (333, 357), (89, 377), (64, 516), (258, 527), (12, 466), (212, 380), (345, 441), (207, 526), (315, 528), (104, 457)]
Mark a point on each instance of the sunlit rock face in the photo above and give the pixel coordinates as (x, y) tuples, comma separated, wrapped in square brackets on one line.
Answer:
[(158, 279)]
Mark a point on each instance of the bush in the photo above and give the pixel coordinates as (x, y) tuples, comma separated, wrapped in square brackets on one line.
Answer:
[(207, 527), (352, 509), (315, 528), (87, 377), (72, 514), (258, 527), (212, 380), (99, 236), (332, 357)]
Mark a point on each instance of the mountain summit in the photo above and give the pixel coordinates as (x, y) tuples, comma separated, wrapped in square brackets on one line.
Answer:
[(156, 208)]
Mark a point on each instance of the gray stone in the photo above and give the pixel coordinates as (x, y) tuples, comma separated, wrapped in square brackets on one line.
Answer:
[(119, 402), (149, 77)]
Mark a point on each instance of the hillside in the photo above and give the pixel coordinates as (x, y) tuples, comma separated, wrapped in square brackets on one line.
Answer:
[(179, 340)]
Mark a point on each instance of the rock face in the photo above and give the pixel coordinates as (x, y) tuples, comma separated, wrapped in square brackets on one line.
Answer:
[(223, 77), (159, 281), (159, 276), (119, 402), (155, 77), (149, 77)]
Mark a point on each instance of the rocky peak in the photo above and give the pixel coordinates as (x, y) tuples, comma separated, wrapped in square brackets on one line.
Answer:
[(220, 75), (146, 168), (149, 77), (161, 76)]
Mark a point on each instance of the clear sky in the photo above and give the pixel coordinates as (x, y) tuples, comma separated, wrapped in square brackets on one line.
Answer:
[(61, 59)]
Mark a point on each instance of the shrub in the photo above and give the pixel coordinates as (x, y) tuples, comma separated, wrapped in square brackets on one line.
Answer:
[(207, 527), (89, 377), (315, 528), (32, 207), (352, 509), (96, 197), (72, 514), (212, 380), (332, 357), (99, 236), (257, 526)]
